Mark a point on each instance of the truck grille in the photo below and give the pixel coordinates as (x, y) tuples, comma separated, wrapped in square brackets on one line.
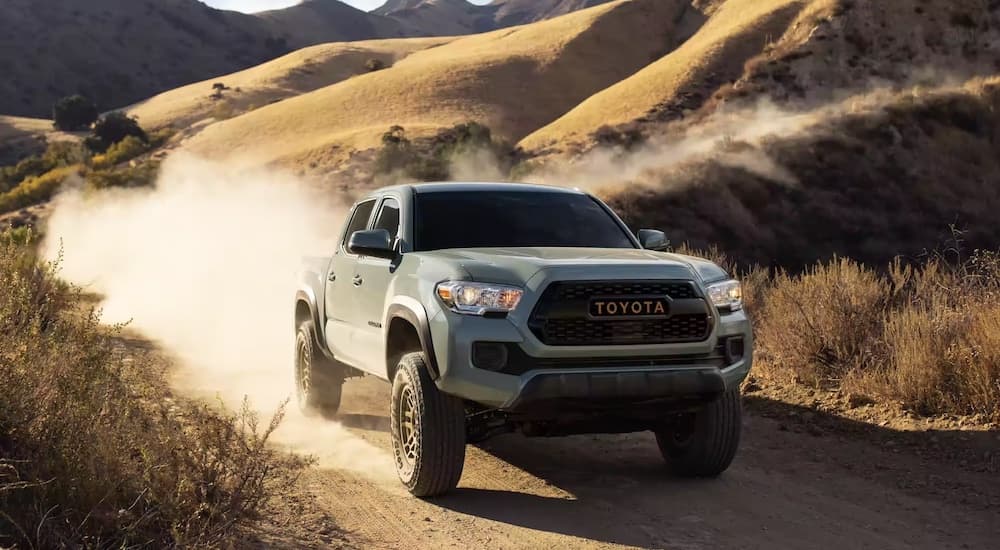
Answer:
[(562, 316)]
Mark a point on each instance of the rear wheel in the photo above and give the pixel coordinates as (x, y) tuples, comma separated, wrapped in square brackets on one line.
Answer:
[(428, 430), (703, 444), (319, 383)]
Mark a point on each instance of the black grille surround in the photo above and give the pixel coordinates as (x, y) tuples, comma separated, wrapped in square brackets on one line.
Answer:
[(562, 316)]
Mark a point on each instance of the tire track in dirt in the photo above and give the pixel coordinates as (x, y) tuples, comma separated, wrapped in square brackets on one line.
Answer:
[(786, 489)]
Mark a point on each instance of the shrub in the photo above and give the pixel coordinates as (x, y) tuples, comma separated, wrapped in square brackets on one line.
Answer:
[(123, 151), (96, 452), (59, 153), (396, 153), (74, 113), (17, 236), (624, 137), (374, 64), (112, 128), (927, 337), (36, 189), (431, 159), (142, 175), (820, 325)]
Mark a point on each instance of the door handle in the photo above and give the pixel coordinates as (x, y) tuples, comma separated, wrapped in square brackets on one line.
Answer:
[(331, 277), (358, 281)]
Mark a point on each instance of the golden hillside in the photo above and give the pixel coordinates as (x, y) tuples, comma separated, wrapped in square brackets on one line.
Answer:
[(870, 177), (514, 80), (294, 74), (733, 34), (791, 50)]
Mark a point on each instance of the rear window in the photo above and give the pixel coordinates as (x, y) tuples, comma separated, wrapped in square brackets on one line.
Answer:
[(514, 219)]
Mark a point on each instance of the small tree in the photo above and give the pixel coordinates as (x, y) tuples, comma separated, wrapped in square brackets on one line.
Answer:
[(112, 128), (74, 113), (396, 153)]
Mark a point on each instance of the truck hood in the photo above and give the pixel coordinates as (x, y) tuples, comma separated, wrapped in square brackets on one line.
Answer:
[(518, 265)]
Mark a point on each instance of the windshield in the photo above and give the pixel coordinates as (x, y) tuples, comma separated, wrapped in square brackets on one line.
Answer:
[(514, 219)]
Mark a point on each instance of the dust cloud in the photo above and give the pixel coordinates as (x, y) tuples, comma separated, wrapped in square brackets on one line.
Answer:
[(732, 137), (205, 264)]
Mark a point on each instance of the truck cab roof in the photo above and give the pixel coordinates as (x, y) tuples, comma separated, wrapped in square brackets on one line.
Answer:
[(475, 187)]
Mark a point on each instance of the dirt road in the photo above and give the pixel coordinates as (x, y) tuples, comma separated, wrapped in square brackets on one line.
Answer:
[(800, 481)]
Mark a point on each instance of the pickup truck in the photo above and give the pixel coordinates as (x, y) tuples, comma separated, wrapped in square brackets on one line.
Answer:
[(494, 308)]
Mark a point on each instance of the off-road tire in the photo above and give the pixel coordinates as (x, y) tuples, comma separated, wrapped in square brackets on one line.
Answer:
[(428, 430), (319, 383), (708, 441)]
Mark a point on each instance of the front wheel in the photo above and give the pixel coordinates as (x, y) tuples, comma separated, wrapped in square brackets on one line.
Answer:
[(428, 430), (318, 384), (704, 443)]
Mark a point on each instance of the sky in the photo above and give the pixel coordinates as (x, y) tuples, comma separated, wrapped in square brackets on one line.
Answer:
[(251, 6)]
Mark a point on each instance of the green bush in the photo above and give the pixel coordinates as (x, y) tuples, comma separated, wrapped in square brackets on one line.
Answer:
[(74, 113), (36, 189), (112, 128), (141, 175), (58, 154), (95, 450), (123, 151)]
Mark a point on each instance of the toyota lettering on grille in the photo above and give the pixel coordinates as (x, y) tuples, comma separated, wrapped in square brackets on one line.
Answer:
[(637, 307)]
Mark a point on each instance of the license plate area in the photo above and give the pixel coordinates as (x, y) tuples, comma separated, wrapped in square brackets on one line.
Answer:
[(611, 308)]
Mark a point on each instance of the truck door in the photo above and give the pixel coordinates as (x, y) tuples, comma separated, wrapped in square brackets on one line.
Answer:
[(372, 277), (341, 298)]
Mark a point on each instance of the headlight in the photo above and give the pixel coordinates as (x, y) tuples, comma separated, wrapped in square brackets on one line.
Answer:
[(479, 298), (727, 295)]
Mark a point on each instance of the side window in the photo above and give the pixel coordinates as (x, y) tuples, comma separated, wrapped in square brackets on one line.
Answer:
[(388, 217), (359, 221)]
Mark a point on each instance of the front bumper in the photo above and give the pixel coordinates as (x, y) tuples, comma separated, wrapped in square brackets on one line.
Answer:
[(591, 381)]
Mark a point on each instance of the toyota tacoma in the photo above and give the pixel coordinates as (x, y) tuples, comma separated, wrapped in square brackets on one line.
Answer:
[(494, 308)]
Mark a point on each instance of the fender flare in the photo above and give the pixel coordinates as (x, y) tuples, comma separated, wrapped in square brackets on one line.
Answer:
[(306, 295), (413, 312)]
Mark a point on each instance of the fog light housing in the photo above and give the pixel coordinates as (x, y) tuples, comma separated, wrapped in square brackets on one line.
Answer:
[(489, 355), (735, 348)]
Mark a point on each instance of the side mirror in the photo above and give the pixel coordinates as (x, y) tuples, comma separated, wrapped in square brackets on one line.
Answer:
[(651, 239), (376, 243)]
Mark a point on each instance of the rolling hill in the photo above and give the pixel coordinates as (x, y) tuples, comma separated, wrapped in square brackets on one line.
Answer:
[(117, 52), (799, 52), (294, 74), (460, 17), (514, 80)]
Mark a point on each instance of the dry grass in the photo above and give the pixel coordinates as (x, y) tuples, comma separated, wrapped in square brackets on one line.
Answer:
[(513, 80), (792, 51), (96, 451), (926, 336), (870, 181), (736, 31), (296, 73)]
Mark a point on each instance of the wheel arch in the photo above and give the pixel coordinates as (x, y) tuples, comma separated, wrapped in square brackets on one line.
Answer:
[(306, 310), (408, 330)]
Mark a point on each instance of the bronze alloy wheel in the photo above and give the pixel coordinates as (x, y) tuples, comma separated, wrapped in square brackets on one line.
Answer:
[(303, 372), (406, 455)]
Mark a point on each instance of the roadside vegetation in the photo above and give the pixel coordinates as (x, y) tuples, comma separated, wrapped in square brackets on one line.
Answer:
[(111, 156), (95, 451), (923, 335)]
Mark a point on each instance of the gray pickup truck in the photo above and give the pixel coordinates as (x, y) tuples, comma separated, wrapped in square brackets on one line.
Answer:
[(494, 308)]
